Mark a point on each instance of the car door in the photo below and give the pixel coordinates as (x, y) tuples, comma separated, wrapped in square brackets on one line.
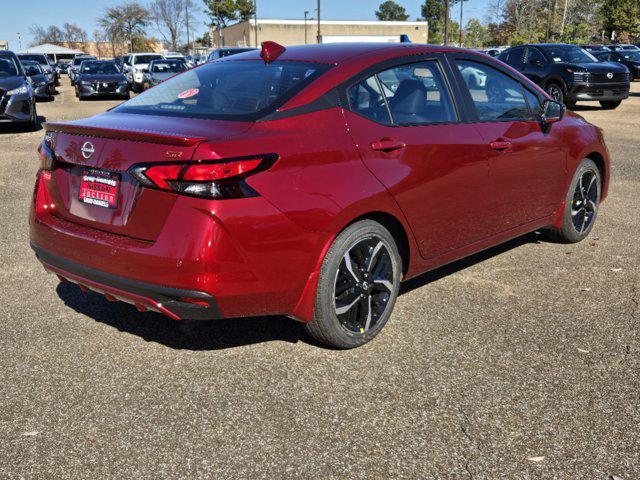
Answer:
[(535, 65), (410, 135), (527, 167)]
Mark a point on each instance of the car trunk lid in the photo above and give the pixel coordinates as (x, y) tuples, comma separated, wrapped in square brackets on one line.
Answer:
[(95, 154)]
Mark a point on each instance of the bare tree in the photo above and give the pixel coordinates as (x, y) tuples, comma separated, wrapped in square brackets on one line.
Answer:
[(170, 17), (125, 22), (51, 34)]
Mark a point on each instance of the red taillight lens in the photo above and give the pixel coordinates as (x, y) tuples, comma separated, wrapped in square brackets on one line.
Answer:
[(203, 172), (219, 179)]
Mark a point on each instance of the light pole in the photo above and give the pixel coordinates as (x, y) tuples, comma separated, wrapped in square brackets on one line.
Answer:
[(460, 39), (319, 32), (255, 16), (186, 13), (446, 21), (306, 12)]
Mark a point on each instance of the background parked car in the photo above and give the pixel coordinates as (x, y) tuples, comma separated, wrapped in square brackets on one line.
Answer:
[(160, 70), (47, 65), (75, 66), (19, 103), (43, 88), (101, 78), (623, 46), (570, 74), (137, 67), (628, 58), (226, 52)]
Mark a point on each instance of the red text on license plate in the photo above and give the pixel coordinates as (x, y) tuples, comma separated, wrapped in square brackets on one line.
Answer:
[(99, 188)]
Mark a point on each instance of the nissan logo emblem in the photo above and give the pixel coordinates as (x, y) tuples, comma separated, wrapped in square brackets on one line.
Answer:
[(609, 75), (87, 150)]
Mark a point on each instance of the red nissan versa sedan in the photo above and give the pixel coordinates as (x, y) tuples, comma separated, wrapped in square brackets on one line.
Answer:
[(309, 182)]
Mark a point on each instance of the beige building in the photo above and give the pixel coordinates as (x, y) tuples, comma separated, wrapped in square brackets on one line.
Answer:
[(298, 32), (4, 45)]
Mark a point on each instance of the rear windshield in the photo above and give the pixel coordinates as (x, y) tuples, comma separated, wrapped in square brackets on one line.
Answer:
[(231, 90), (99, 68), (138, 59), (36, 58), (32, 69), (168, 66), (8, 67)]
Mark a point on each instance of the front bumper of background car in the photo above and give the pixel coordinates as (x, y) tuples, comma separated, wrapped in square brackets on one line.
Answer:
[(598, 92), (15, 108)]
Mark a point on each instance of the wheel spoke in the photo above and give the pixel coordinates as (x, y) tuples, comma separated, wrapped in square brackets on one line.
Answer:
[(349, 264), (385, 284), (345, 308), (374, 254), (365, 312)]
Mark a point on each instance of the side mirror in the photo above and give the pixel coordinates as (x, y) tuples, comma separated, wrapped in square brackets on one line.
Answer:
[(552, 112)]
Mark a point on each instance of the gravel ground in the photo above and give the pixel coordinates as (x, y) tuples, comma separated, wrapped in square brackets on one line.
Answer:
[(521, 362)]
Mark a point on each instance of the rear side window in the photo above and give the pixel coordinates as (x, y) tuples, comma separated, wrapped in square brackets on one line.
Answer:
[(214, 91), (415, 94), (366, 99), (8, 66), (515, 56), (498, 97)]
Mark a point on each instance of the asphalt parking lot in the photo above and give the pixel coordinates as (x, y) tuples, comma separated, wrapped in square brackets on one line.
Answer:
[(521, 362)]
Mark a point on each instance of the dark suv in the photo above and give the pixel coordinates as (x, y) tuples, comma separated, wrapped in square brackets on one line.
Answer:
[(570, 74), (628, 58)]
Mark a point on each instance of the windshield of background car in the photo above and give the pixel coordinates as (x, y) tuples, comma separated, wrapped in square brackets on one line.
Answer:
[(8, 67), (168, 66), (99, 68), (32, 69), (78, 61), (213, 91), (631, 55), (145, 58), (36, 58), (569, 54)]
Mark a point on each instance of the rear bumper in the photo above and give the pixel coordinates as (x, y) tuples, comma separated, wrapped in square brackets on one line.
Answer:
[(598, 92), (243, 253), (145, 296)]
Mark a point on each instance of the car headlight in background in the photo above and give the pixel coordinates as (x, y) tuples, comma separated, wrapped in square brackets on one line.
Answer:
[(22, 90)]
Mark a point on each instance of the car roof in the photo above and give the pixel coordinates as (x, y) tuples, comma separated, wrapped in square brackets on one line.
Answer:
[(335, 53)]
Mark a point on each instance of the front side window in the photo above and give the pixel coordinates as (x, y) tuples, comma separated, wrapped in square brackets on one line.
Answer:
[(534, 57), (416, 94), (501, 98), (213, 90), (515, 56), (8, 67)]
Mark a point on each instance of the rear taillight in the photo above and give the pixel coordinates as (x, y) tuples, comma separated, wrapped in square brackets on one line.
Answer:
[(215, 179)]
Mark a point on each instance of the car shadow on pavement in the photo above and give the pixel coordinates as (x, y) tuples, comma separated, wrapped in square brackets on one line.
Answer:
[(451, 268), (235, 332), (9, 128), (183, 334)]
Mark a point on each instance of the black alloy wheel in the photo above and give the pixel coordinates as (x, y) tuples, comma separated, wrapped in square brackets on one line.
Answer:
[(555, 91), (363, 285), (581, 204), (585, 201), (358, 285)]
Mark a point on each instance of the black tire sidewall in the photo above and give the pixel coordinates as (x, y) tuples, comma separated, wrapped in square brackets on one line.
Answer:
[(562, 94), (333, 331)]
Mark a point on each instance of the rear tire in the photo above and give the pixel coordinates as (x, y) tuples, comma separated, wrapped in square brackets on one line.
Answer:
[(611, 105), (354, 301), (581, 204)]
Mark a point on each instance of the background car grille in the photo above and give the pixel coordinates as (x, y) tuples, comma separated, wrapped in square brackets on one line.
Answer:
[(602, 78)]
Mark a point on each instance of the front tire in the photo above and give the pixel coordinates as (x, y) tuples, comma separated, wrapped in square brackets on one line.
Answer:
[(581, 204), (556, 92), (358, 286), (611, 105)]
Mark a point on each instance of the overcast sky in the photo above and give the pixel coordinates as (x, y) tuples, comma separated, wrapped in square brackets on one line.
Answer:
[(18, 16)]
